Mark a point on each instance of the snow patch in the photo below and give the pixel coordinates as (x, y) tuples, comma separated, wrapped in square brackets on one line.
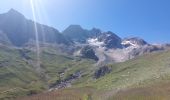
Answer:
[(132, 44), (95, 42), (108, 35)]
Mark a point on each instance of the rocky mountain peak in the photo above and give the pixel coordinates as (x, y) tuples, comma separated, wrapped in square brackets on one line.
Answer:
[(20, 30), (110, 40), (76, 33), (134, 41), (14, 13), (94, 32), (74, 27)]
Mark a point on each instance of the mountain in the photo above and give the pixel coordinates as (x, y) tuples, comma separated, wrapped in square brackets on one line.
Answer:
[(21, 30), (92, 63), (107, 46), (78, 34), (110, 40), (110, 48)]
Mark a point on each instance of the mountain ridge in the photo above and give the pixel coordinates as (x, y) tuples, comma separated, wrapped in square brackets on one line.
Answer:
[(107, 46), (76, 57), (21, 30)]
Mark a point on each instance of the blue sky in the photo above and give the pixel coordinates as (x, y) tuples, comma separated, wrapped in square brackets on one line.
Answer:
[(148, 19)]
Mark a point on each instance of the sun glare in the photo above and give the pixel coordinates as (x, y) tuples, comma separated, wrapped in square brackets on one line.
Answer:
[(36, 35)]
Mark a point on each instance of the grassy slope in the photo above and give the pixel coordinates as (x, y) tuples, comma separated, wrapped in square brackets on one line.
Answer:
[(18, 77), (137, 72), (143, 78), (66, 94), (154, 92), (53, 63)]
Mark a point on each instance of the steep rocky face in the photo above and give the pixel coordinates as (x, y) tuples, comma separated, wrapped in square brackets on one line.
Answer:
[(94, 33), (107, 40), (13, 23), (137, 46), (88, 52), (135, 41), (19, 30), (110, 40), (102, 71), (110, 49), (78, 34), (93, 36)]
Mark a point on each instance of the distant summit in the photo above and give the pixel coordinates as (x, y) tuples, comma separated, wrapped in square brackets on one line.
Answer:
[(14, 11), (110, 40), (134, 41), (20, 30), (78, 34)]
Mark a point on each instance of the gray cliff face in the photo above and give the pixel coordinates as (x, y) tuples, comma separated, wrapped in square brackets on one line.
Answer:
[(88, 52), (110, 40)]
